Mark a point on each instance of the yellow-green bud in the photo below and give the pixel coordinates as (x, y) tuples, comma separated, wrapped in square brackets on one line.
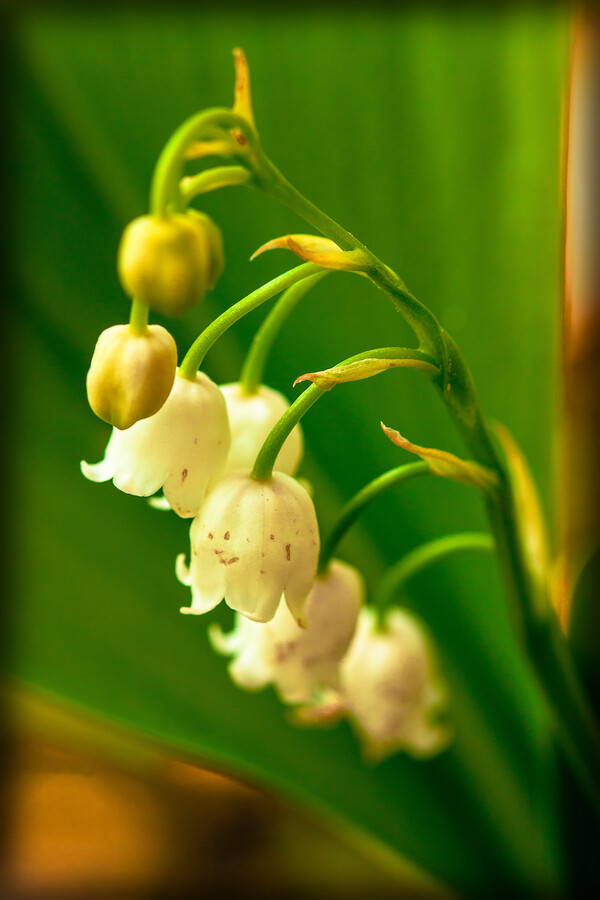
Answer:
[(170, 263), (131, 375), (214, 244)]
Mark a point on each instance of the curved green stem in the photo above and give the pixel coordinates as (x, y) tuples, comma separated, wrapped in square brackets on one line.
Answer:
[(195, 355), (426, 327), (138, 317), (164, 191), (211, 180), (268, 453), (425, 555), (356, 504), (576, 725), (545, 648), (254, 365)]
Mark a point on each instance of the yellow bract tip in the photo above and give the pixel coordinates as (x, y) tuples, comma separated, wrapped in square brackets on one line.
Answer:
[(242, 97)]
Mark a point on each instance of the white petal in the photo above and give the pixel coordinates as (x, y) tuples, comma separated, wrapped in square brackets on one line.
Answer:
[(263, 609), (200, 604), (253, 541), (160, 503), (181, 448), (299, 662), (422, 738), (251, 418), (98, 472), (249, 672), (131, 453), (182, 571), (221, 642), (391, 686)]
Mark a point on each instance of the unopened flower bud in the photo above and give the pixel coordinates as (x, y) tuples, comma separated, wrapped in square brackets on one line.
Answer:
[(251, 543), (170, 263), (251, 418), (182, 448), (131, 375), (298, 661), (214, 245)]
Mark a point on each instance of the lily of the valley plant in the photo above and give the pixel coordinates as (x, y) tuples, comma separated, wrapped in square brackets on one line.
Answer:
[(226, 458)]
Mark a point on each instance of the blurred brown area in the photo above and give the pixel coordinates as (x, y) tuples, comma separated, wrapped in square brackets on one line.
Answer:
[(79, 825), (580, 483), (580, 502), (579, 513)]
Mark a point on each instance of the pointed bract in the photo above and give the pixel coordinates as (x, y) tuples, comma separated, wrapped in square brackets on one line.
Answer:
[(327, 379), (447, 465), (318, 250), (242, 100)]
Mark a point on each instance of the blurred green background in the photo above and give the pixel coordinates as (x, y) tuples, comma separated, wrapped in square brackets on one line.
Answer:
[(434, 135)]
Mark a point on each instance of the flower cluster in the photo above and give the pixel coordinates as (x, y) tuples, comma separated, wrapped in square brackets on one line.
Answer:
[(341, 664), (226, 458), (255, 545), (251, 542)]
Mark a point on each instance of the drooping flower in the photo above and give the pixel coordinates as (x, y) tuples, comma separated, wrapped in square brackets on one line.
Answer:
[(131, 375), (252, 542), (297, 661), (251, 418), (392, 691), (182, 448)]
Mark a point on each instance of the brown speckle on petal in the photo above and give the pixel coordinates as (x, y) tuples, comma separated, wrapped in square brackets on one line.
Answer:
[(272, 536), (284, 650), (228, 562), (210, 535), (288, 551), (184, 475), (226, 536)]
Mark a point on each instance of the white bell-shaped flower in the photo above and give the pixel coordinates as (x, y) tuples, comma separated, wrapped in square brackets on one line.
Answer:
[(252, 542), (181, 448), (391, 689), (297, 661), (251, 418)]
